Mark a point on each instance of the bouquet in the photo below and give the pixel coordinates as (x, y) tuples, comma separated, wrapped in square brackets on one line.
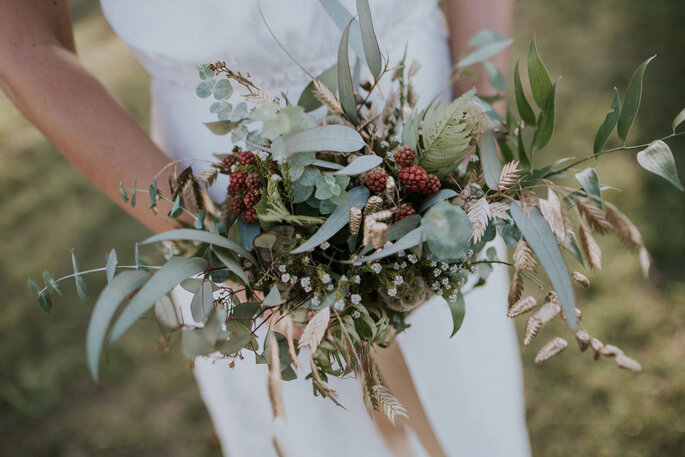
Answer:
[(340, 225)]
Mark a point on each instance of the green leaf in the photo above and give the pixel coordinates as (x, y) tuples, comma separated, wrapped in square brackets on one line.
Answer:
[(525, 110), (166, 314), (447, 230), (523, 157), (658, 159), (329, 78), (203, 237), (495, 76), (107, 304), (574, 248), (540, 82), (273, 298), (484, 37), (360, 165), (170, 275), (194, 343), (81, 288), (202, 303), (631, 101), (153, 194), (222, 127), (204, 89), (609, 124), (326, 164), (122, 191), (111, 264), (223, 89), (442, 194), (33, 287), (369, 41), (342, 17), (408, 241), (337, 138), (545, 125), (679, 119), (539, 236), (484, 52), (205, 71), (345, 85), (232, 264), (236, 343), (458, 310), (489, 160), (176, 210), (410, 132), (44, 302), (336, 221), (589, 181)]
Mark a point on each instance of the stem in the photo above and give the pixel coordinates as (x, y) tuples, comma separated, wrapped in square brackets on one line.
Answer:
[(97, 270)]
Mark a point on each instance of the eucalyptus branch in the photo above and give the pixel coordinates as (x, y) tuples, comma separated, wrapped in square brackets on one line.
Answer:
[(98, 270)]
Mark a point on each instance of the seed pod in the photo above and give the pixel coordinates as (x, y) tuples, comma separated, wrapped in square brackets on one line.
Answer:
[(625, 362), (533, 325), (355, 220), (378, 231), (549, 350), (581, 279), (522, 306), (583, 340), (390, 186), (373, 205), (596, 346), (381, 215), (609, 350)]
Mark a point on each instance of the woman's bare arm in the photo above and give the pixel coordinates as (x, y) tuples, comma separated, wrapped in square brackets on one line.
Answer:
[(41, 74), (465, 18)]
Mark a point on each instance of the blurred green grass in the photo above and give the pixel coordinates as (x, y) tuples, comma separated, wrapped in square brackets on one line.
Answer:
[(148, 403)]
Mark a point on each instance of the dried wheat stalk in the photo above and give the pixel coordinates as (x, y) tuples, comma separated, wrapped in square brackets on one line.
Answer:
[(275, 394), (552, 348), (522, 306), (326, 97), (391, 406), (627, 232), (516, 288), (594, 216), (316, 328)]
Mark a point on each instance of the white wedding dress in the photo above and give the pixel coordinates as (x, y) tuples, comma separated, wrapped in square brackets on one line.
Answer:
[(470, 385)]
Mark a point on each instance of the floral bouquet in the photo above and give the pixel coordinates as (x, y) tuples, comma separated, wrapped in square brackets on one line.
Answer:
[(340, 225)]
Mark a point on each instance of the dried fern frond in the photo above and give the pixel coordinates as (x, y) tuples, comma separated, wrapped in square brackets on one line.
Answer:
[(479, 215), (553, 213), (594, 216), (192, 195), (627, 232), (475, 176), (552, 348), (509, 175), (524, 259), (581, 279), (522, 306), (528, 200), (516, 288), (390, 405), (499, 209), (208, 176), (275, 394), (326, 97), (315, 330), (590, 247)]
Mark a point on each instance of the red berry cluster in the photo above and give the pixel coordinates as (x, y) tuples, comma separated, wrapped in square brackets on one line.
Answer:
[(247, 158), (405, 211), (376, 180), (244, 189), (413, 177), (404, 156), (228, 162)]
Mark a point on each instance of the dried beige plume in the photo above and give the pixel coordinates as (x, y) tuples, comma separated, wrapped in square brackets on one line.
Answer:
[(499, 209), (532, 328), (373, 205), (412, 95), (208, 176), (552, 348), (289, 328), (509, 175), (524, 259), (583, 340), (625, 362), (522, 306), (326, 97), (596, 346), (390, 105), (590, 247), (355, 220), (479, 215), (627, 232), (315, 330), (552, 211), (414, 68), (516, 288), (547, 312), (391, 406), (581, 279), (390, 187), (275, 394), (528, 200), (594, 216), (324, 390), (645, 261)]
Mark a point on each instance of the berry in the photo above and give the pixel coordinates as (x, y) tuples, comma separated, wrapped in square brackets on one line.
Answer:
[(237, 183), (404, 211), (376, 179), (250, 216), (432, 186), (251, 198), (414, 178), (237, 206), (404, 156), (247, 158), (253, 181), (228, 162)]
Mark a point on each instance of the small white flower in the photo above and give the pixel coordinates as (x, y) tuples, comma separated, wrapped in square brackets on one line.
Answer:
[(293, 279), (396, 266), (356, 262), (392, 292), (398, 280), (356, 279), (433, 263), (281, 268), (453, 298), (437, 272), (330, 287), (339, 305), (343, 278), (326, 278), (306, 260), (298, 236), (307, 289), (325, 245), (469, 253), (403, 265), (304, 282), (444, 266), (445, 281), (474, 158), (402, 253), (315, 300), (356, 314), (356, 299), (448, 286), (454, 268), (387, 244), (285, 277), (263, 155), (275, 178), (435, 285), (376, 267), (473, 269), (438, 292), (233, 167), (412, 258)]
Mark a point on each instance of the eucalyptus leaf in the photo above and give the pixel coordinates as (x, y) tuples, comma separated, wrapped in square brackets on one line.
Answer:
[(248, 232), (679, 119), (408, 241), (523, 157), (608, 125), (203, 237), (235, 343), (202, 303), (360, 165), (345, 85), (524, 108), (223, 89), (402, 227), (33, 286), (540, 82), (539, 236), (106, 305), (658, 159), (170, 275), (233, 265), (545, 124), (495, 76), (204, 89), (589, 181), (221, 127), (81, 288), (447, 230), (111, 264), (153, 194), (336, 138), (489, 159), (273, 298), (326, 164), (369, 41), (342, 17), (442, 194), (631, 101), (458, 310), (44, 302), (484, 52), (166, 314), (484, 37), (194, 344)]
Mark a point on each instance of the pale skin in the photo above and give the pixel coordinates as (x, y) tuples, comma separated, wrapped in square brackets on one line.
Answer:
[(42, 75)]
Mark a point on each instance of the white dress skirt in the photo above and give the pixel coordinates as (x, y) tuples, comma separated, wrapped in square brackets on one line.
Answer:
[(471, 385)]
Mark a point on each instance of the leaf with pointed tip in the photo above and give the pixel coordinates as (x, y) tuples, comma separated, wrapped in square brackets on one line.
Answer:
[(106, 306), (222, 127), (458, 310), (490, 160), (33, 286), (539, 236), (408, 241), (194, 344), (631, 101), (233, 265), (484, 52), (369, 41), (523, 157), (658, 159), (342, 17), (202, 303), (81, 288), (337, 138), (360, 165), (545, 124), (495, 76), (589, 181), (609, 124), (111, 264), (273, 298), (44, 302), (203, 237), (153, 194), (525, 110), (345, 85), (540, 82), (170, 275), (326, 164), (679, 119)]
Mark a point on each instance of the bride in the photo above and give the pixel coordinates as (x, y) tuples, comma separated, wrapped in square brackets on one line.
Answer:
[(464, 395)]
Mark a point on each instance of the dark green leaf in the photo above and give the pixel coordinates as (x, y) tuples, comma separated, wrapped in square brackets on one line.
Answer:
[(369, 41), (590, 183), (631, 101), (608, 125), (490, 160), (44, 302), (523, 157), (458, 310), (232, 264), (122, 191), (345, 86), (525, 110), (545, 125), (540, 82), (153, 194), (658, 159)]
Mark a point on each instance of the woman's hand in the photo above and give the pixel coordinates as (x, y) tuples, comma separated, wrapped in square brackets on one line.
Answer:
[(41, 74)]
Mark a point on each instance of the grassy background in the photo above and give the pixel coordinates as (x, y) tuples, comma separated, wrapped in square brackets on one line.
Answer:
[(148, 403)]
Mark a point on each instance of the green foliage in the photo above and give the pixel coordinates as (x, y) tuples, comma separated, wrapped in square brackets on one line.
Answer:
[(329, 78), (631, 101), (589, 181), (489, 159), (457, 309), (658, 159), (524, 108), (447, 229), (609, 124), (540, 82), (545, 124), (345, 85), (369, 41)]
